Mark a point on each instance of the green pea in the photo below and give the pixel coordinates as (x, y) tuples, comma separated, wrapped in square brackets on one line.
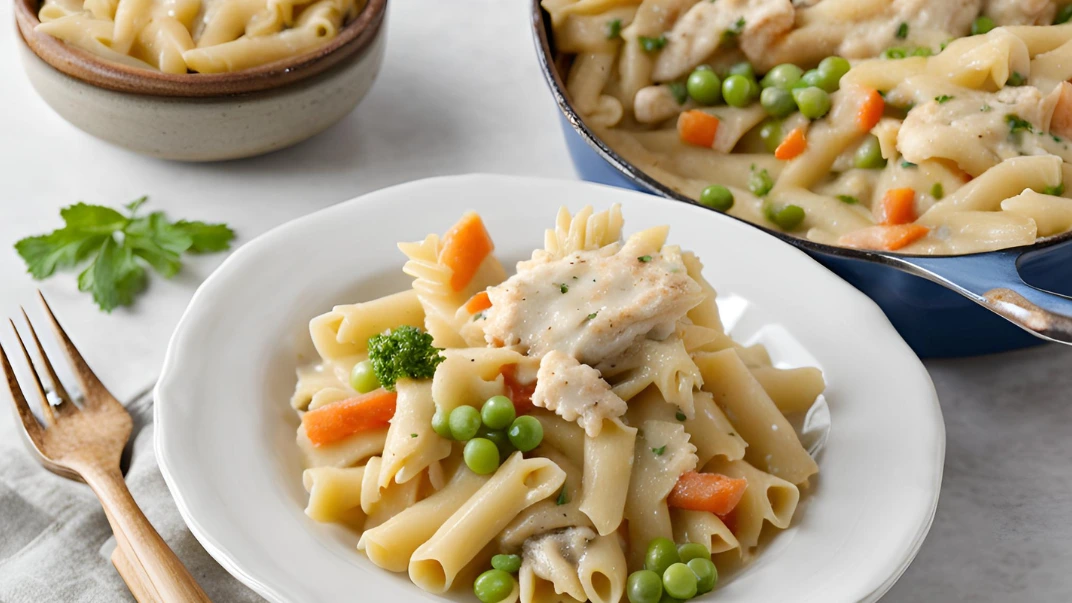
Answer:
[(706, 574), (507, 563), (493, 586), (497, 437), (668, 599), (869, 154), (831, 70), (982, 24), (644, 586), (525, 433), (737, 90), (717, 197), (498, 412), (363, 378), (1064, 15), (481, 456), (771, 134), (777, 102), (692, 550), (679, 581), (760, 182), (704, 86), (464, 422), (783, 76), (662, 553), (813, 102), (811, 77), (743, 68), (441, 424), (787, 218)]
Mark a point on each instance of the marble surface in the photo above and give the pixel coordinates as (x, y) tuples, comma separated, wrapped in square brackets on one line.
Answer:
[(462, 94)]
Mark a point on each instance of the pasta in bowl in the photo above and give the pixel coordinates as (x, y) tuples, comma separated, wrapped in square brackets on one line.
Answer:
[(238, 482), (933, 128), (605, 385)]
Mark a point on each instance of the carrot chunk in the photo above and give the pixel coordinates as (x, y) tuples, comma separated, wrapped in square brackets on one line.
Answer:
[(709, 492), (519, 393), (899, 206), (698, 128), (340, 420), (884, 238), (478, 303), (465, 246), (794, 144), (871, 111)]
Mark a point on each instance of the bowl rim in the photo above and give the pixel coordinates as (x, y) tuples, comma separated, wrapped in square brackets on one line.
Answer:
[(352, 40), (541, 34)]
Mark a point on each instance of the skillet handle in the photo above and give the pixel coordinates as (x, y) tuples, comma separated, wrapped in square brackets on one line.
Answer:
[(993, 281)]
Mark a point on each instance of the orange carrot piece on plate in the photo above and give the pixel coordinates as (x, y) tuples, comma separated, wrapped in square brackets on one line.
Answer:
[(899, 206), (884, 238), (711, 492), (519, 393), (465, 246), (794, 144), (871, 111), (698, 128), (478, 303), (340, 420)]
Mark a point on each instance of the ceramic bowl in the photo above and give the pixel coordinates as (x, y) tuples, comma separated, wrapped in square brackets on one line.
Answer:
[(205, 117), (225, 429)]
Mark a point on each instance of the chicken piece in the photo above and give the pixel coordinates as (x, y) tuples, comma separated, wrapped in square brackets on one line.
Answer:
[(592, 305), (1021, 12), (654, 104), (575, 392), (928, 23), (555, 556), (756, 24)]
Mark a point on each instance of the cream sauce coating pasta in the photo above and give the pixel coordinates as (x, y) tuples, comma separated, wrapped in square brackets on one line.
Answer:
[(580, 507), (940, 92), (202, 36)]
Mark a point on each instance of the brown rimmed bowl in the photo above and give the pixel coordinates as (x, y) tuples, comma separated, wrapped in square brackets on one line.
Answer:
[(206, 117)]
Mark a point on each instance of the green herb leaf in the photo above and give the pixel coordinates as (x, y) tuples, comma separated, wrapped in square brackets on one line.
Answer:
[(412, 435), (848, 199), (945, 98), (564, 288), (114, 277), (937, 191), (207, 238), (680, 416), (592, 315), (644, 259), (986, 108), (680, 92), (563, 496), (660, 450), (614, 29), (902, 31), (651, 44), (1016, 124), (908, 165), (1016, 79), (1056, 191)]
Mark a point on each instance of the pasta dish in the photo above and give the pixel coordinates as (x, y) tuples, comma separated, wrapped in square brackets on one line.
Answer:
[(583, 430), (203, 36), (919, 126)]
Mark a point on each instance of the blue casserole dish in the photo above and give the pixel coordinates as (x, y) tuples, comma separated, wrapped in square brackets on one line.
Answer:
[(942, 305)]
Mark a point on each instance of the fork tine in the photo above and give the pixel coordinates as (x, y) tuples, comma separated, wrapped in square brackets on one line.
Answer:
[(29, 422), (91, 386), (65, 406), (46, 408)]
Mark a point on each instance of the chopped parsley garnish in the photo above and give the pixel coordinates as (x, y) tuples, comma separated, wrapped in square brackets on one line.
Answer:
[(1056, 191), (902, 31), (760, 182), (1016, 124), (592, 315), (680, 416), (680, 92), (412, 435), (478, 316), (1016, 79), (945, 98), (848, 199), (986, 108), (908, 165), (563, 496), (614, 29), (564, 288), (660, 450), (404, 352), (735, 30), (644, 259), (937, 191), (652, 44)]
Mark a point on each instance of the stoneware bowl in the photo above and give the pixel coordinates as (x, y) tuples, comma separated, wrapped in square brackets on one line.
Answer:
[(205, 117)]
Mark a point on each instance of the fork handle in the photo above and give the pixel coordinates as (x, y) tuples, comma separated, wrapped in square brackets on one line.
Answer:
[(166, 574)]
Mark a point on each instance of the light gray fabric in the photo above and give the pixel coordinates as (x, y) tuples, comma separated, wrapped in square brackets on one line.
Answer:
[(55, 543)]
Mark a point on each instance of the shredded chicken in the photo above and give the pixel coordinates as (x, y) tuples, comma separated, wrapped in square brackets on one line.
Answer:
[(575, 392)]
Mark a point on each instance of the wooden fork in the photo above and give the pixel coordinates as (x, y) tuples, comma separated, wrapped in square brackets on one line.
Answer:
[(85, 445)]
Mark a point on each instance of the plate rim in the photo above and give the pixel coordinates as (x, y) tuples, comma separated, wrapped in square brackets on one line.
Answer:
[(277, 594)]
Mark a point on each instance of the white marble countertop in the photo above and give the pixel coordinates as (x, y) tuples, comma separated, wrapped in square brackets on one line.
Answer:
[(456, 95)]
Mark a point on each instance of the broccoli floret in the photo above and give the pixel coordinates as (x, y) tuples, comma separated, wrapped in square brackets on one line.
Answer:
[(403, 352)]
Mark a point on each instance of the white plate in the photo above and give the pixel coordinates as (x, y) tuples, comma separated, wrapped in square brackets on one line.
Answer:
[(225, 430)]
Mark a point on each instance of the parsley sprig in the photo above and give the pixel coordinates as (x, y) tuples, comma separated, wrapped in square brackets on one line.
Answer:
[(118, 248)]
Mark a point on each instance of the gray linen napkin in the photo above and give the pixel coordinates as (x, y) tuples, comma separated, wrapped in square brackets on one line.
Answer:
[(55, 543)]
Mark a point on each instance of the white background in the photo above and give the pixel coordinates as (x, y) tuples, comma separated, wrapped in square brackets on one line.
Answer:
[(460, 92)]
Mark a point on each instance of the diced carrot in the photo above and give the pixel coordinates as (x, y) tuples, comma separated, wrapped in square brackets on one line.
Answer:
[(478, 303), (871, 111), (698, 128), (794, 144), (884, 238), (730, 521), (519, 393), (711, 492), (899, 206), (340, 420), (465, 246), (1061, 122)]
